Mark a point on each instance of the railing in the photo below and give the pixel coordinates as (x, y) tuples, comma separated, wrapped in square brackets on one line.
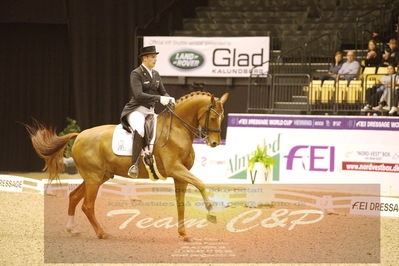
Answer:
[(393, 93), (343, 97), (259, 93), (289, 71), (288, 93)]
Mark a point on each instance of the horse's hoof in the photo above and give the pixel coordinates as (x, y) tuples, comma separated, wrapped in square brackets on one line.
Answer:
[(103, 235), (211, 218), (72, 231), (186, 238)]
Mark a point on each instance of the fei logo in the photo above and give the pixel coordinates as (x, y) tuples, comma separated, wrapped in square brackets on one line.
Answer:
[(317, 158)]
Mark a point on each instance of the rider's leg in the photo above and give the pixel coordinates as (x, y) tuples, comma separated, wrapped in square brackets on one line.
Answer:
[(136, 122)]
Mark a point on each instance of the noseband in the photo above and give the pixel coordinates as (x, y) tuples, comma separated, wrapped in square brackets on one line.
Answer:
[(204, 131)]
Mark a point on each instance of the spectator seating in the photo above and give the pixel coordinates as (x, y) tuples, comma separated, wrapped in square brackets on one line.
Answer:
[(382, 71), (324, 4), (342, 91), (338, 92), (327, 91), (313, 90), (369, 70), (288, 23), (354, 92)]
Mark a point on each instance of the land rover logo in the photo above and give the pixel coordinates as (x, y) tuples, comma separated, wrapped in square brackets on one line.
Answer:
[(186, 59)]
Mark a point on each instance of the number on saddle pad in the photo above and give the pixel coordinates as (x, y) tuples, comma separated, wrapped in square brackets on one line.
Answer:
[(122, 140)]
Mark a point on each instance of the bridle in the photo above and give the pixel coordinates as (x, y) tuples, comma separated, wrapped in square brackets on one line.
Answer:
[(200, 132), (204, 131)]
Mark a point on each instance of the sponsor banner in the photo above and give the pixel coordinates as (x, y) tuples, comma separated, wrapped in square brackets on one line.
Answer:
[(374, 167), (375, 206), (335, 123), (210, 57), (11, 183), (317, 149)]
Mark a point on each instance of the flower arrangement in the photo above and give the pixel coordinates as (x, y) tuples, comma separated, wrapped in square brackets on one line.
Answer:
[(72, 127), (260, 156)]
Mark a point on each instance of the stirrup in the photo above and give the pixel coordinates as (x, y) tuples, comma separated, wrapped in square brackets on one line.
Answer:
[(133, 171)]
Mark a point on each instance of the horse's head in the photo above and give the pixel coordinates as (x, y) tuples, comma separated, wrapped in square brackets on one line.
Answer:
[(210, 119)]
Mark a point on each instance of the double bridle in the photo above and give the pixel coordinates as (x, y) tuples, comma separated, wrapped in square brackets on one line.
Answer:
[(200, 132)]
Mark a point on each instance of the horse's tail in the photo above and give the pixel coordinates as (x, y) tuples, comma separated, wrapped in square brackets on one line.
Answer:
[(49, 147)]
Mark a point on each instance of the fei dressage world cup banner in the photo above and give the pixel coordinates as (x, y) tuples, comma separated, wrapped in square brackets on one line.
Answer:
[(210, 57), (318, 149)]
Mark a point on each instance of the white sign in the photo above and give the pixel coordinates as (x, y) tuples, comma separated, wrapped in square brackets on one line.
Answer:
[(209, 164), (210, 57), (375, 206), (318, 149), (11, 183)]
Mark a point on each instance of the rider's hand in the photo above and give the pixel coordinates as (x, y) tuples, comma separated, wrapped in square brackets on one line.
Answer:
[(165, 100)]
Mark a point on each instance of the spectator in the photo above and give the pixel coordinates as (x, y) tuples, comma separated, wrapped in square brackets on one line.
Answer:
[(380, 91), (373, 57), (391, 53), (350, 69), (334, 67), (395, 107), (379, 37)]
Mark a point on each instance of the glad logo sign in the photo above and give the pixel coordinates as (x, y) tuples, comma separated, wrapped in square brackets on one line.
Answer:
[(186, 59)]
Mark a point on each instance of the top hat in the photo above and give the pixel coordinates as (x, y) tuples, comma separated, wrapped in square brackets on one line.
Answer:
[(148, 50)]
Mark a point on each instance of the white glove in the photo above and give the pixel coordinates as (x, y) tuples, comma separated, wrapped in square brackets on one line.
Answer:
[(165, 100)]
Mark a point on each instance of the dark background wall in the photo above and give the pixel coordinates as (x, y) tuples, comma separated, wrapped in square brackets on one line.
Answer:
[(34, 80), (61, 58)]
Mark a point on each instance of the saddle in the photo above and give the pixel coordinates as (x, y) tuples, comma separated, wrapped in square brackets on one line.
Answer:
[(122, 145)]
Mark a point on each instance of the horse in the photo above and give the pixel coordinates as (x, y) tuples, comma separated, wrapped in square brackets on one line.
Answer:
[(173, 153)]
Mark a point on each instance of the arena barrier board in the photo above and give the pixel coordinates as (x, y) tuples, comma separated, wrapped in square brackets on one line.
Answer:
[(224, 196)]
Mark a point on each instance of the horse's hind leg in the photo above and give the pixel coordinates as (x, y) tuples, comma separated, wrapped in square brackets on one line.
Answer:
[(91, 191), (74, 198)]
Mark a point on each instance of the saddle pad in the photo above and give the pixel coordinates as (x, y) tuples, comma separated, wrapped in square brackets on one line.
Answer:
[(122, 140)]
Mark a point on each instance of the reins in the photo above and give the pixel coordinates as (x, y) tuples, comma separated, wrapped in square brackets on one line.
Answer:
[(200, 132)]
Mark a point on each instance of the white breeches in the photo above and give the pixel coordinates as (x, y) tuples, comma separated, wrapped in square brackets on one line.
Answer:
[(136, 119)]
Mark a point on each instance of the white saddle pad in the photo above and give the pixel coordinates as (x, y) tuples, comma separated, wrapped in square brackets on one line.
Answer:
[(122, 140)]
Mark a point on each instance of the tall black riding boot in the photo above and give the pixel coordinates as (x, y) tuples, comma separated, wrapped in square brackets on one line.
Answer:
[(136, 151)]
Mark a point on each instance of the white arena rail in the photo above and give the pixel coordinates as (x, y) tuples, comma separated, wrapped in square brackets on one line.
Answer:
[(38, 184), (133, 190)]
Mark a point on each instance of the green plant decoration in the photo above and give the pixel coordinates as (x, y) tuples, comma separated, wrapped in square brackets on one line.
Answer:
[(260, 156), (72, 127)]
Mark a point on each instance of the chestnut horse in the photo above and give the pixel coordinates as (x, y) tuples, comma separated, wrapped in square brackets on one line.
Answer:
[(173, 152)]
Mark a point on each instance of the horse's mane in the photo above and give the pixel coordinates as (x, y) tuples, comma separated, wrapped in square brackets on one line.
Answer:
[(193, 94)]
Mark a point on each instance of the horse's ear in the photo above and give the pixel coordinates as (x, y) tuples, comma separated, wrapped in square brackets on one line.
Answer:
[(224, 98), (213, 102)]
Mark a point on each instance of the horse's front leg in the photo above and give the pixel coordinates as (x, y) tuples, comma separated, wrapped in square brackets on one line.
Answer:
[(180, 191), (182, 174)]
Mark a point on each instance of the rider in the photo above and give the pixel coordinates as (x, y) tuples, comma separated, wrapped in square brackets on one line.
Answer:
[(147, 89)]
